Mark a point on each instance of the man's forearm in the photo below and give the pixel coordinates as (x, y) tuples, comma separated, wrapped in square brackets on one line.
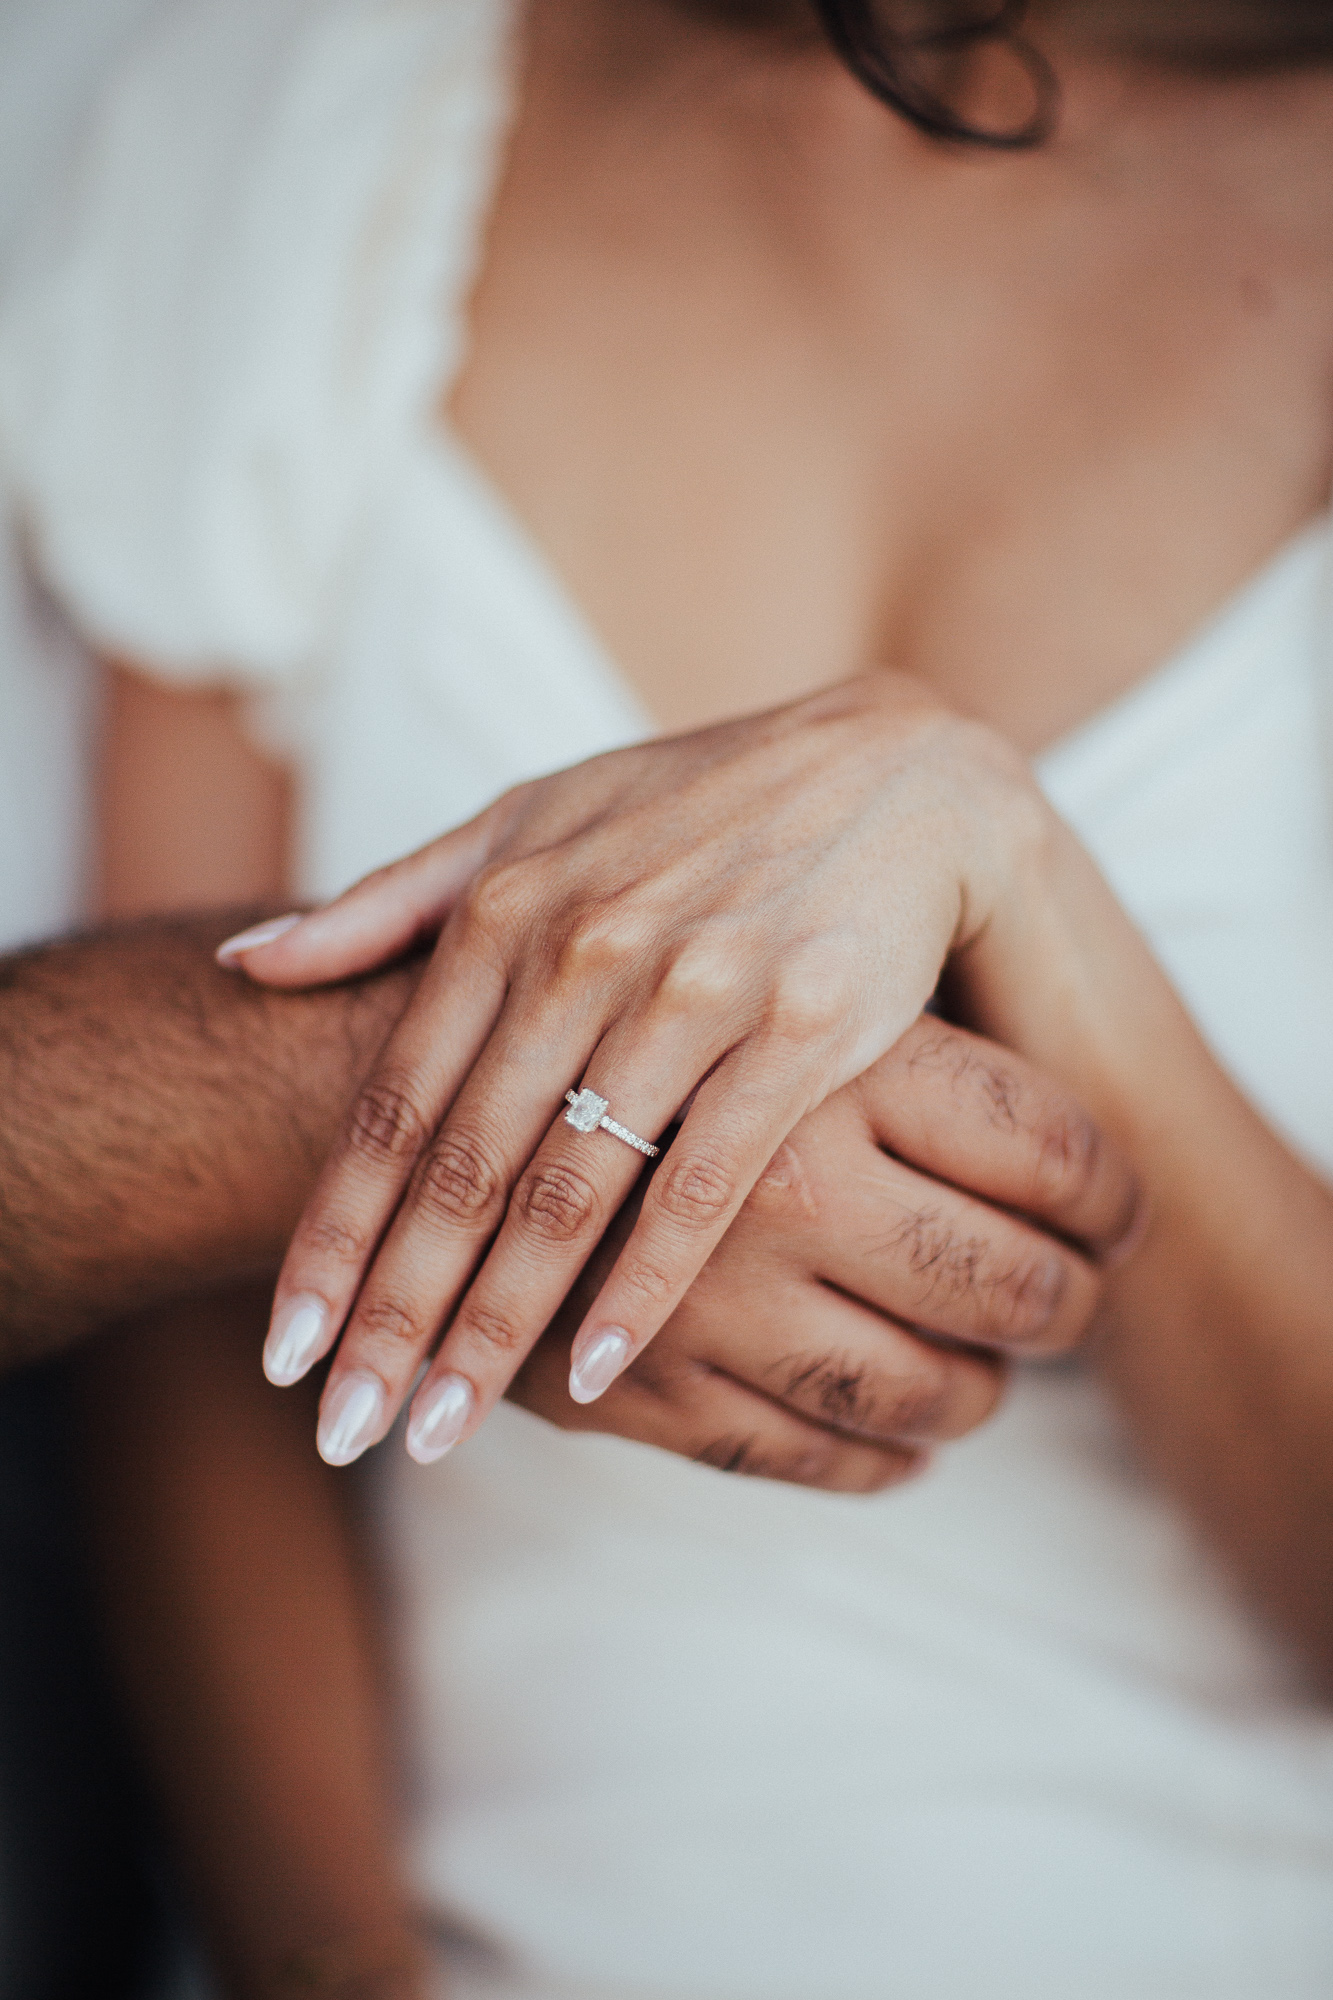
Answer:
[(161, 1121)]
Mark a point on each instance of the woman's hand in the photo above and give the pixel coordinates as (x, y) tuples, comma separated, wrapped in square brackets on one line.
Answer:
[(795, 1354), (726, 927)]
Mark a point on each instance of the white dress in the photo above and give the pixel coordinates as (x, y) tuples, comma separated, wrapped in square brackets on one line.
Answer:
[(672, 1734), (52, 54)]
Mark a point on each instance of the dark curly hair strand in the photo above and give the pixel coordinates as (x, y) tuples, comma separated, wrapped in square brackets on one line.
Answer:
[(896, 56), (915, 54)]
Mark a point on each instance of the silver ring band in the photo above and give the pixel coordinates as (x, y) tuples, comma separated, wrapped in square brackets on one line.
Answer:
[(587, 1113)]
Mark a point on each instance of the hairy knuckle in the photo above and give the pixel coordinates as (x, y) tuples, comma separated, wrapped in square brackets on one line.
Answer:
[(831, 1384), (386, 1122), (460, 1182), (932, 1254), (1015, 1297), (696, 1191), (853, 1397), (557, 1203)]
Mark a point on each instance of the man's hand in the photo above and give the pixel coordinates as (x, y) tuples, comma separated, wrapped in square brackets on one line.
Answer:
[(162, 1122), (799, 1353)]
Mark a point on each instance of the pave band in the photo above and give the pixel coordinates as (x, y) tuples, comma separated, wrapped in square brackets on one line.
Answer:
[(587, 1113)]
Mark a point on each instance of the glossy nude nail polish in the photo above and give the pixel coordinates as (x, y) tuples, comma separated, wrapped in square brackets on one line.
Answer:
[(596, 1362), (439, 1418), (351, 1419), (234, 948), (296, 1339)]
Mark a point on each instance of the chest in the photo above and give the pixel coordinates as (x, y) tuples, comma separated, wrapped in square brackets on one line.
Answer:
[(778, 410)]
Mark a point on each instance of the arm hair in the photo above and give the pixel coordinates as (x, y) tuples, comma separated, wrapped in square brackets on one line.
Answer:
[(161, 1120)]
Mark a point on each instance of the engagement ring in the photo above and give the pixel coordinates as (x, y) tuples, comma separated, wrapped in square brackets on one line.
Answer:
[(587, 1113)]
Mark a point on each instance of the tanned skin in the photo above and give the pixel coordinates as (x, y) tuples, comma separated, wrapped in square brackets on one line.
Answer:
[(162, 1121)]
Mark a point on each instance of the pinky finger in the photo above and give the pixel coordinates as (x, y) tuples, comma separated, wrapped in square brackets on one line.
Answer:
[(717, 1421)]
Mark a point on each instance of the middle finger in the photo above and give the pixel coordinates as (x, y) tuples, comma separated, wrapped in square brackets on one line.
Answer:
[(925, 1252)]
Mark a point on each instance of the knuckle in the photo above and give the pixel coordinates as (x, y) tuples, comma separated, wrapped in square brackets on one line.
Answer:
[(699, 980), (390, 1323), (1015, 1298), (386, 1123), (853, 1398), (1024, 1297), (1000, 1088), (654, 1286), (835, 1386), (599, 943), (327, 1236), (498, 1335), (1070, 1151), (784, 1191), (495, 900), (809, 1001), (459, 1182), (696, 1191), (557, 1203), (933, 1254)]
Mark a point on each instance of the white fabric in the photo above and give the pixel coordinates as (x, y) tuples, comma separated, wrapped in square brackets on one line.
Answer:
[(52, 55), (1006, 1733)]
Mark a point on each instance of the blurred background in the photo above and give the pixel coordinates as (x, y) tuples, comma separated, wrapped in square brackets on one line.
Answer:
[(84, 1908)]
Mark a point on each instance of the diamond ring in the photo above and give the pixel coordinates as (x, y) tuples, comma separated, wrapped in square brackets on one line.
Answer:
[(587, 1113)]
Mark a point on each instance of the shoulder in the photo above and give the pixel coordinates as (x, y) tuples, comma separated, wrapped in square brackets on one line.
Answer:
[(232, 297)]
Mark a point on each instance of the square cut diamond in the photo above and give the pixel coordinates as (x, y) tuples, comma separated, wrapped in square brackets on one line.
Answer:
[(585, 1114)]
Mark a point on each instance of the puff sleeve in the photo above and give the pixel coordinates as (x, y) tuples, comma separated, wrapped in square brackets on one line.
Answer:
[(249, 284)]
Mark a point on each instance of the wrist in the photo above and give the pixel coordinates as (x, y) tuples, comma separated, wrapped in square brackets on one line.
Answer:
[(1061, 974)]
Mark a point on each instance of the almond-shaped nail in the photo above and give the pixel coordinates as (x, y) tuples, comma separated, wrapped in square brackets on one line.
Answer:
[(233, 948), (351, 1419), (596, 1362), (296, 1339), (439, 1418)]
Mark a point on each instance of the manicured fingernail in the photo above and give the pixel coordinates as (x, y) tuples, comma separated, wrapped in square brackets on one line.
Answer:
[(439, 1417), (236, 947), (295, 1339), (595, 1364), (351, 1419)]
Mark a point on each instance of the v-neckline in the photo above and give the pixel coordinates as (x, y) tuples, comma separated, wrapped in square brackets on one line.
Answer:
[(516, 545)]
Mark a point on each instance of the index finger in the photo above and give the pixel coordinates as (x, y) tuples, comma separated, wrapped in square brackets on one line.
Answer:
[(965, 1110)]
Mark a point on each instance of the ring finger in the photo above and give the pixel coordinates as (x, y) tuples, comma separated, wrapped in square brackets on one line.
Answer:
[(562, 1201)]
